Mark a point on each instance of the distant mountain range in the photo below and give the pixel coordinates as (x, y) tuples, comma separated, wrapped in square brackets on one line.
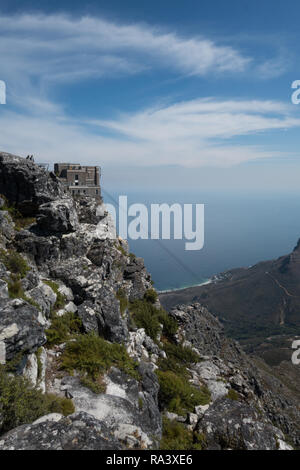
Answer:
[(253, 303)]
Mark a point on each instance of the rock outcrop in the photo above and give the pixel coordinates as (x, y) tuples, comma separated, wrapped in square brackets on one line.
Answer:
[(79, 431), (79, 320), (27, 185)]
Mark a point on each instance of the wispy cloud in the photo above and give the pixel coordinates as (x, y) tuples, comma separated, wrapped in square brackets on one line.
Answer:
[(191, 134), (274, 67), (56, 47), (203, 119), (39, 51)]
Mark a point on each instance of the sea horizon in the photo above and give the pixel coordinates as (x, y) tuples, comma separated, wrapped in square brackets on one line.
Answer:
[(240, 230)]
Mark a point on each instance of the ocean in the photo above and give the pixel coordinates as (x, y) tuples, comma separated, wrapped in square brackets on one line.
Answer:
[(240, 230)]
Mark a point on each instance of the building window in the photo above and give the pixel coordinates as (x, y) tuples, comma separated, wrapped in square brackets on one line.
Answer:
[(96, 191)]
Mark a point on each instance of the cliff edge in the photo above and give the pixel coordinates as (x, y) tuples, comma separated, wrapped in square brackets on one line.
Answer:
[(88, 357)]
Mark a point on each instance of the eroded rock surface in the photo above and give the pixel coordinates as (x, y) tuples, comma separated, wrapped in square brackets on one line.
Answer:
[(67, 262)]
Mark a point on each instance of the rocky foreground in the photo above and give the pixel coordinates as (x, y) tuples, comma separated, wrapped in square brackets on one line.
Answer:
[(90, 360)]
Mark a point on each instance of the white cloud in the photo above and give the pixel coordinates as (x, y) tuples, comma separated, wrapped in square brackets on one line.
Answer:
[(275, 67), (38, 51), (56, 47), (190, 134), (203, 119)]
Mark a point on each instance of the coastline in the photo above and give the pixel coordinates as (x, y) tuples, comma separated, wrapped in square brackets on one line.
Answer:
[(168, 291)]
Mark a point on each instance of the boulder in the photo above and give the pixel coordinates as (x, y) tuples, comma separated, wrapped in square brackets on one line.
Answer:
[(79, 431), (44, 296), (26, 184), (124, 402), (229, 424), (20, 330), (58, 216), (89, 210)]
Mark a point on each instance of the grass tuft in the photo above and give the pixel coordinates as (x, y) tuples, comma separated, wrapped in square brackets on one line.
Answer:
[(179, 396), (177, 437), (22, 403), (93, 356)]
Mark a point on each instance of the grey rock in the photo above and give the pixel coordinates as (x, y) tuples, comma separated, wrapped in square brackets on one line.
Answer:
[(140, 346), (120, 405), (88, 210), (200, 328), (31, 280), (111, 324), (79, 431), (6, 225), (229, 424), (26, 184), (44, 296), (43, 250), (3, 290), (88, 316), (58, 216), (54, 417), (20, 329)]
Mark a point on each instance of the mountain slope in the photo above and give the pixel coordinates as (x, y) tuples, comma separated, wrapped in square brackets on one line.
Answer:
[(251, 302)]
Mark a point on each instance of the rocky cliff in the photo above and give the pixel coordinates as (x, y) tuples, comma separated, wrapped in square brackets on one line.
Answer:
[(90, 360)]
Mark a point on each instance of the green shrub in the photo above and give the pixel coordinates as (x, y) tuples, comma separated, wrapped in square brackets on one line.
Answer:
[(23, 222), (14, 263), (178, 359), (19, 220), (60, 298), (151, 296), (13, 364), (177, 437), (181, 354), (178, 395), (233, 395), (22, 403), (96, 385), (15, 291), (170, 326), (121, 250), (122, 298), (170, 364), (62, 328), (146, 316), (56, 404), (93, 356)]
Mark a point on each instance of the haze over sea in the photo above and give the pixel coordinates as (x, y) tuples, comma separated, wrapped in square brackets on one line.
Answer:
[(241, 229)]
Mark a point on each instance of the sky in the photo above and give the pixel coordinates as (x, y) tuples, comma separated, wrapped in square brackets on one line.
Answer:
[(159, 94)]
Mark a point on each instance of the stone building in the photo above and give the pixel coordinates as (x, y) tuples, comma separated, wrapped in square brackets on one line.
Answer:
[(79, 179)]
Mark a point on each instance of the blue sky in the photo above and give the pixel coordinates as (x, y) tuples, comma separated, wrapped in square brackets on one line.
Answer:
[(195, 93)]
